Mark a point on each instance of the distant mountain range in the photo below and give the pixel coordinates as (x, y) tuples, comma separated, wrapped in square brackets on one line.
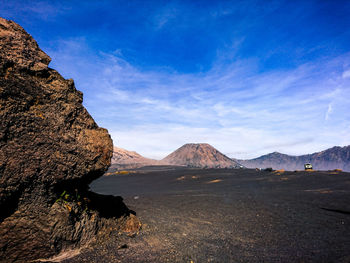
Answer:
[(203, 155), (333, 158)]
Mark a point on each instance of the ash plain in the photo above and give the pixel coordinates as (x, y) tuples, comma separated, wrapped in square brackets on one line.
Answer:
[(229, 215)]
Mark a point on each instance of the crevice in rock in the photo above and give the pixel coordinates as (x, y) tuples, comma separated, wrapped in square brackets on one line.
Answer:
[(9, 205)]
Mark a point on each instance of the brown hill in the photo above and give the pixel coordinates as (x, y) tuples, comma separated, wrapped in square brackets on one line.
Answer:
[(124, 159), (200, 155), (333, 158)]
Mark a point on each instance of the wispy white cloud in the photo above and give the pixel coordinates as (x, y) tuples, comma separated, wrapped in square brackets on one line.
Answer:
[(163, 16), (233, 106), (43, 10), (329, 111), (242, 108), (346, 74), (157, 141)]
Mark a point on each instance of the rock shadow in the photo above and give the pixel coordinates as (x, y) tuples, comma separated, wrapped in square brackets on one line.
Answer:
[(108, 206)]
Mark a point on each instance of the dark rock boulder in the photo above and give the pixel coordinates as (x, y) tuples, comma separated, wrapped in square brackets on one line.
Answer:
[(50, 150)]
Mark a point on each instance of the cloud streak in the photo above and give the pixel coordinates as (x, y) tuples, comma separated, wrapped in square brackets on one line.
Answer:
[(247, 77), (232, 106)]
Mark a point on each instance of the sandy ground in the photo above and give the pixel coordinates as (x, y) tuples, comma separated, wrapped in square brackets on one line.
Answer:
[(194, 215)]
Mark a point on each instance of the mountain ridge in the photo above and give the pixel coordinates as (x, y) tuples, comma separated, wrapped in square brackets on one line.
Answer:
[(332, 158), (201, 155), (125, 159)]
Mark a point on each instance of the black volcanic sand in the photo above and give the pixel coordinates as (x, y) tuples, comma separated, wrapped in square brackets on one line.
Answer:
[(230, 216)]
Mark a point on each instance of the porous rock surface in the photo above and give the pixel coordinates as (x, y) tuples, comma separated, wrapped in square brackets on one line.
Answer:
[(50, 150)]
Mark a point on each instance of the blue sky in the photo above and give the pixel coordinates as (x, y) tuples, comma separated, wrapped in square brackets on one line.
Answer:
[(249, 77)]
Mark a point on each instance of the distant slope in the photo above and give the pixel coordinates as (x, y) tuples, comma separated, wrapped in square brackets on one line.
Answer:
[(200, 155), (333, 158), (129, 160)]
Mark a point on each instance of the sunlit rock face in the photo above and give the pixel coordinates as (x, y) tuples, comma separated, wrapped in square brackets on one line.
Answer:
[(50, 150)]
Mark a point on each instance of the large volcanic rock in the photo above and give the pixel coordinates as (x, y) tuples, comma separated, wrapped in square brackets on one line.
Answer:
[(200, 155), (333, 158), (50, 150)]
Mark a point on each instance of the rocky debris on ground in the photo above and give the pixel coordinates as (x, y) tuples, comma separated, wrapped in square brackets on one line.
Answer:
[(50, 150)]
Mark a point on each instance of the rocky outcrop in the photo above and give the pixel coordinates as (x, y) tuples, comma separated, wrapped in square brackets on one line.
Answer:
[(201, 155), (124, 159), (50, 150), (333, 158)]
